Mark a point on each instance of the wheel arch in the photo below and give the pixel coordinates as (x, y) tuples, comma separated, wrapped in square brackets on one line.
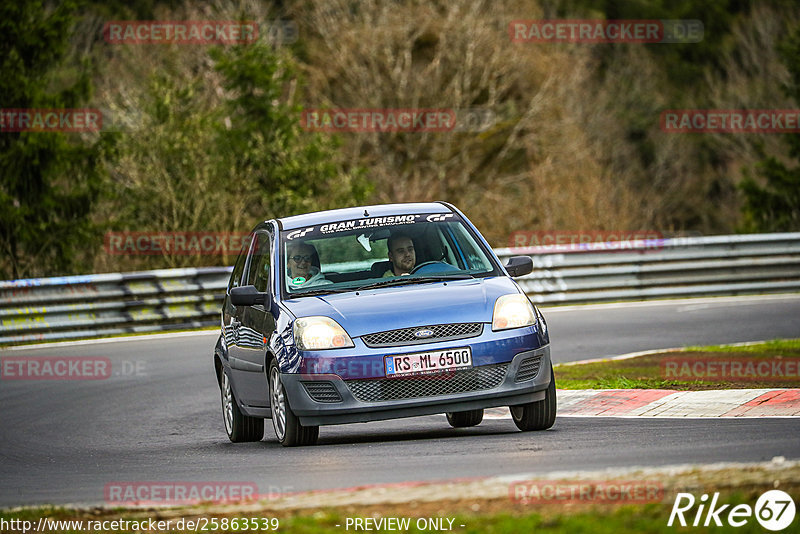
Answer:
[(217, 357)]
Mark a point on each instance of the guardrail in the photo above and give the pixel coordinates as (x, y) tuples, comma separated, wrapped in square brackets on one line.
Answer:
[(677, 267), (43, 309), (171, 299)]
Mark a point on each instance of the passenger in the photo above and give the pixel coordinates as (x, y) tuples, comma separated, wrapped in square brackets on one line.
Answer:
[(300, 259), (401, 255)]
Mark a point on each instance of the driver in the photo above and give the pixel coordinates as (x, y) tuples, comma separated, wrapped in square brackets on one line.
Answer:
[(401, 255), (302, 272)]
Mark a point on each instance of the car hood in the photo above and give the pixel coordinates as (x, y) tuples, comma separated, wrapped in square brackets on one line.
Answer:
[(389, 308)]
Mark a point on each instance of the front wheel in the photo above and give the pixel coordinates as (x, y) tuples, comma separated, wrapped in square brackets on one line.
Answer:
[(465, 418), (287, 425), (240, 427), (538, 415)]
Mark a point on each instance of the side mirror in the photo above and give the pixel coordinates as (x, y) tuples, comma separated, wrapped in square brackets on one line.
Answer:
[(248, 296), (519, 265)]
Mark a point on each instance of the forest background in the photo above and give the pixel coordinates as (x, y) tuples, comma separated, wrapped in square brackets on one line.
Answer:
[(207, 138)]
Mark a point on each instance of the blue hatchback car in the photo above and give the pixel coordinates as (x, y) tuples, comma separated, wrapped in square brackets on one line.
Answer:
[(377, 312)]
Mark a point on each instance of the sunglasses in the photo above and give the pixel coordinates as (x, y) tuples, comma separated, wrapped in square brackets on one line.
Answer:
[(298, 259)]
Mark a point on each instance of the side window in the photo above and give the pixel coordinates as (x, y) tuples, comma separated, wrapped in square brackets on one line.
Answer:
[(467, 249), (238, 267), (258, 269)]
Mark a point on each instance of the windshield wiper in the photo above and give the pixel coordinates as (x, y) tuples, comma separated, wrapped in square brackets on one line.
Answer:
[(317, 292), (403, 280)]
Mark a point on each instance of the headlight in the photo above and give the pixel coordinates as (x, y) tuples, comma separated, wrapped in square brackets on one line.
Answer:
[(512, 311), (319, 333)]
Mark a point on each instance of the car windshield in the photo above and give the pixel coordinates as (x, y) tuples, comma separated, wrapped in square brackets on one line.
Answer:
[(373, 252)]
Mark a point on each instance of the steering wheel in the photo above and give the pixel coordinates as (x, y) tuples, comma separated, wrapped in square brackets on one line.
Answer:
[(434, 267)]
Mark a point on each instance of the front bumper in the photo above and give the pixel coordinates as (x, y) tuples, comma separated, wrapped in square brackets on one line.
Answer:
[(327, 399)]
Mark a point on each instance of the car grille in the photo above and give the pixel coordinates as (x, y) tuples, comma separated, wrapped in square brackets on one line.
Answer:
[(448, 383), (528, 368), (322, 391), (405, 336)]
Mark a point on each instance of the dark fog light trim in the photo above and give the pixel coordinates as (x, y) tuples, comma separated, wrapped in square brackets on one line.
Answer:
[(322, 391), (528, 368)]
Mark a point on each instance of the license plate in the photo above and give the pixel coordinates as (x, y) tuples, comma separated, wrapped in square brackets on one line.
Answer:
[(423, 363)]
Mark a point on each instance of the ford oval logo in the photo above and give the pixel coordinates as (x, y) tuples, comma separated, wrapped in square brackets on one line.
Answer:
[(423, 333)]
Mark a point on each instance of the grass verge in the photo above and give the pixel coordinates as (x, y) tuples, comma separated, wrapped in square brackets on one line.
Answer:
[(771, 364), (482, 506)]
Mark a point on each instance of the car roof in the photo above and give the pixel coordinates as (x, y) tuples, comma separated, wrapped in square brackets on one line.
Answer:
[(381, 210)]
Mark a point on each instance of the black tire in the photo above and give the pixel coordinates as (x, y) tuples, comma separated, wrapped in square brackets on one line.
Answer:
[(239, 427), (288, 430), (539, 415), (465, 418)]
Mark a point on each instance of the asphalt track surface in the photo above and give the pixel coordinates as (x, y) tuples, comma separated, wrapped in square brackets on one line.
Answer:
[(158, 417)]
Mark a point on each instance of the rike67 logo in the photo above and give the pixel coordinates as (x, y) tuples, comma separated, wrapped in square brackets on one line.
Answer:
[(774, 510)]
